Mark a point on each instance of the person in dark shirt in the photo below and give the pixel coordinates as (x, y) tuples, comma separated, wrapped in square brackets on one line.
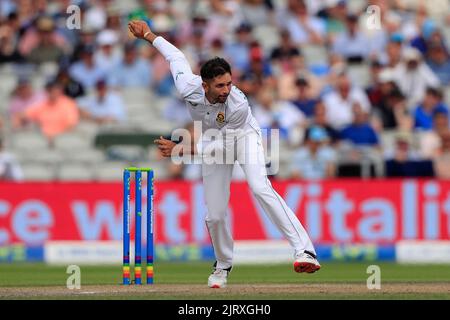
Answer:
[(405, 162), (360, 132), (71, 87), (374, 90), (393, 109), (303, 102), (432, 103), (286, 49), (319, 119), (9, 39)]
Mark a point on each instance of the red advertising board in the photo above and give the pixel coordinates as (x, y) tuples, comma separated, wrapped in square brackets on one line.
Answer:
[(339, 211)]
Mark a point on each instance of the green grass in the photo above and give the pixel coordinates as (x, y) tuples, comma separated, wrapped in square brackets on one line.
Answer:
[(37, 275), (13, 275)]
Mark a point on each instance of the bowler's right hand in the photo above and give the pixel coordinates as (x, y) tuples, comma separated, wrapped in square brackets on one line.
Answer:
[(139, 28)]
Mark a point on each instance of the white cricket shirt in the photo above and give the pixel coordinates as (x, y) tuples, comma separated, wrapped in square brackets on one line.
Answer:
[(231, 116)]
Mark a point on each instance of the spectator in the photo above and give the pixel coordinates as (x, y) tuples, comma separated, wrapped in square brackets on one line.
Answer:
[(315, 160), (442, 160), (288, 65), (404, 161), (60, 15), (378, 37), (6, 7), (163, 83), (133, 71), (86, 71), (71, 87), (257, 12), (108, 55), (413, 76), (431, 35), (305, 29), (339, 103), (281, 115), (198, 21), (114, 18), (360, 132), (26, 13), (9, 167), (304, 102), (430, 140), (249, 85), (22, 98), (223, 18), (176, 112), (374, 90), (238, 51), (86, 39), (95, 15), (396, 115), (9, 39), (432, 103), (330, 72), (439, 62), (420, 42), (285, 50), (352, 44), (259, 66), (437, 10), (393, 54), (390, 106), (56, 114), (43, 43), (336, 14), (320, 119), (196, 50), (103, 108), (216, 48)]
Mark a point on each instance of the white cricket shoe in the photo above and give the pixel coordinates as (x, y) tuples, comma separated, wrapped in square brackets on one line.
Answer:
[(218, 279), (306, 262)]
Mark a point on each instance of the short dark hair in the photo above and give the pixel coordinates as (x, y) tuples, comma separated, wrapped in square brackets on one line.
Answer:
[(440, 112), (435, 92), (52, 83), (214, 67)]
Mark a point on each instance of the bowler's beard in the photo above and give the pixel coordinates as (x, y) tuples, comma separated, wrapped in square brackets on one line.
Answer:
[(218, 99), (222, 99)]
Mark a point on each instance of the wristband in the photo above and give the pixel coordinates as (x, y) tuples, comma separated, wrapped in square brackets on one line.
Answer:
[(145, 35)]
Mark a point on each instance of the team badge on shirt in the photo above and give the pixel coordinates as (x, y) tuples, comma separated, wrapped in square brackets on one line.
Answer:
[(220, 119)]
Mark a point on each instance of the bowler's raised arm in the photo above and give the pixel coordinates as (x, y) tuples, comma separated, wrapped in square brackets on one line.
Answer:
[(179, 66)]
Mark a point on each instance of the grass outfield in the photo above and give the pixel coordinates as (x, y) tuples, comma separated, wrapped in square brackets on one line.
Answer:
[(188, 281)]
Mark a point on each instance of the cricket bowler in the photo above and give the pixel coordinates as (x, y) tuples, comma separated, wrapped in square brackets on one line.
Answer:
[(213, 99)]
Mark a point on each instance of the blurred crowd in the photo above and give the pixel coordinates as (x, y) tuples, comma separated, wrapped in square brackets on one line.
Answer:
[(333, 125)]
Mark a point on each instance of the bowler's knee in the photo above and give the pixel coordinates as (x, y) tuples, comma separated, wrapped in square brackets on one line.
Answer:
[(215, 220)]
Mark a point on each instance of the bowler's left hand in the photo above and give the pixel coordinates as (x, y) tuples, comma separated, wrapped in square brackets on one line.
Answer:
[(165, 146)]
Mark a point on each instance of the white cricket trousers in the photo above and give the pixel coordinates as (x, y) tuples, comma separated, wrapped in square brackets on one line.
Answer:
[(248, 151)]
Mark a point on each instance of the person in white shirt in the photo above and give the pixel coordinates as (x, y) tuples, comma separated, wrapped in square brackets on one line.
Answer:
[(352, 44), (413, 76), (339, 103), (304, 29), (108, 56), (222, 108), (104, 107)]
